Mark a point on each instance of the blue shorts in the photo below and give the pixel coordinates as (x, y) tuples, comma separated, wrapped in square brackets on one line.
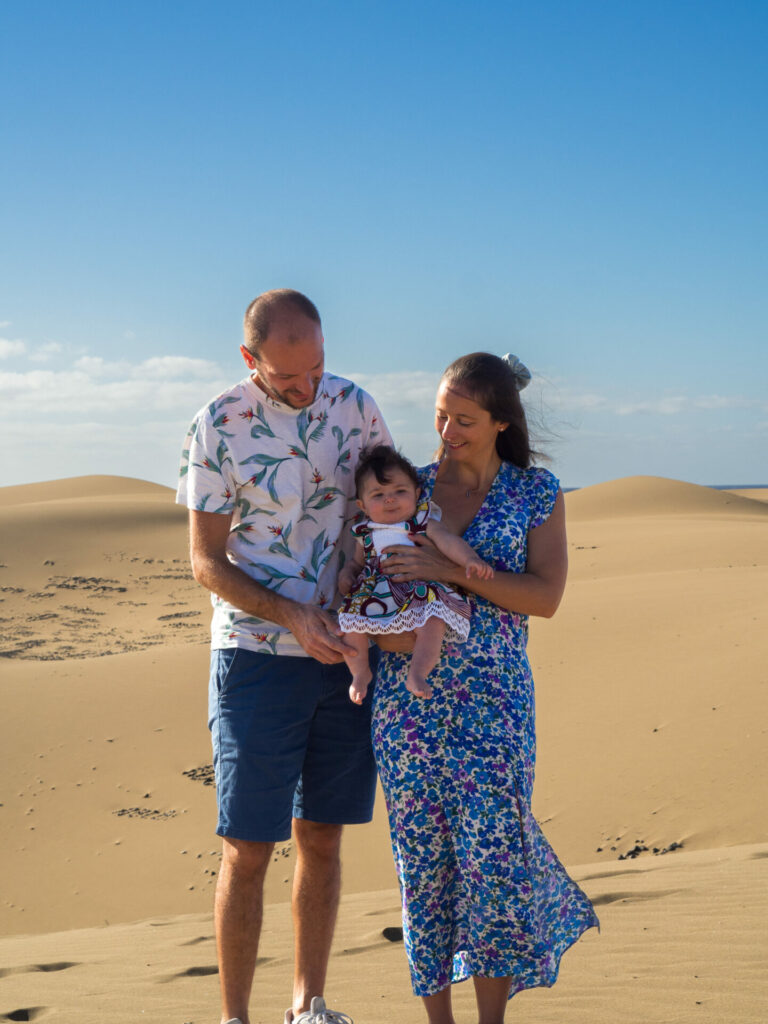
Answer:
[(287, 742)]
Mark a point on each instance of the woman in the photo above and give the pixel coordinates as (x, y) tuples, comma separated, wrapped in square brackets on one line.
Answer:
[(484, 895)]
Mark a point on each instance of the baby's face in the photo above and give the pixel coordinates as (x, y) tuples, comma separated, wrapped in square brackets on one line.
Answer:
[(391, 502)]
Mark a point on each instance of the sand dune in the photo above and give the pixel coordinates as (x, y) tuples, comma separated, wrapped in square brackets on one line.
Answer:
[(655, 496), (79, 488), (652, 708)]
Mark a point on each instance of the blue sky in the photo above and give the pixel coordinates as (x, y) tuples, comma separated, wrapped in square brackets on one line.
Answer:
[(582, 184)]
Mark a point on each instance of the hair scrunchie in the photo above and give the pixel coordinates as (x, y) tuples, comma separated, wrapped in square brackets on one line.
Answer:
[(520, 371)]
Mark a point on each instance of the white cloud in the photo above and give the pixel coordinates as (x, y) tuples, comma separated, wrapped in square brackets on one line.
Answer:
[(564, 399), (404, 387), (10, 348), (46, 353), (115, 391), (82, 414), (174, 367)]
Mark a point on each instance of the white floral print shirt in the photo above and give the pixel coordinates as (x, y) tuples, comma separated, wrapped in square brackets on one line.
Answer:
[(286, 476)]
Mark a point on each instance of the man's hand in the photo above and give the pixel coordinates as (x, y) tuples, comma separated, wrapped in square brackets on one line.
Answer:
[(318, 633)]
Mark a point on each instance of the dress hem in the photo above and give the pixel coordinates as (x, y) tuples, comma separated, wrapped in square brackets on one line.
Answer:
[(411, 618), (542, 982)]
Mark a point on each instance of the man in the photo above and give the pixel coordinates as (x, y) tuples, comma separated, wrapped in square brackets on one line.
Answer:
[(267, 475)]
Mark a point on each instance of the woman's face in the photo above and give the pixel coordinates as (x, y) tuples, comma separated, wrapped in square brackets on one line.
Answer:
[(467, 430)]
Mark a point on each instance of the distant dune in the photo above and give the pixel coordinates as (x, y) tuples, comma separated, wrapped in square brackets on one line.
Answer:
[(655, 495), (78, 488), (652, 704)]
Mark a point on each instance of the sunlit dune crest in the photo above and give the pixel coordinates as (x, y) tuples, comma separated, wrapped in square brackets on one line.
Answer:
[(655, 495), (78, 488)]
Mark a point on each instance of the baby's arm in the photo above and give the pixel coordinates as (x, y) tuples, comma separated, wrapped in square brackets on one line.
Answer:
[(458, 551), (351, 570)]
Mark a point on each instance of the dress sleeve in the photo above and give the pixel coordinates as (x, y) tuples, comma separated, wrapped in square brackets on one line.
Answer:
[(544, 488), (418, 523), (360, 528)]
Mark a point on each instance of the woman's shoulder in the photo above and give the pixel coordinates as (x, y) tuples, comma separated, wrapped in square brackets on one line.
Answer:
[(533, 488), (532, 477)]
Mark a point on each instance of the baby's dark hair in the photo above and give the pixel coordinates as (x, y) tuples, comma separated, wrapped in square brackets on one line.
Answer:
[(379, 461)]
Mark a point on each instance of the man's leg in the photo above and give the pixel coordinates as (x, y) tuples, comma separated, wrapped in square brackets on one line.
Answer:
[(238, 911), (316, 889), (261, 707), (337, 784)]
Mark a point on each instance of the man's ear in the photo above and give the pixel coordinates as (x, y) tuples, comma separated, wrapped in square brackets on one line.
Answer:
[(249, 357)]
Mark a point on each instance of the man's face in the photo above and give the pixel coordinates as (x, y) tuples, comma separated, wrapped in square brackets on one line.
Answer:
[(290, 364)]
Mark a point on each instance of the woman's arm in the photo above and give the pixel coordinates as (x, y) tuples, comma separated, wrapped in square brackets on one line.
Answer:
[(537, 591)]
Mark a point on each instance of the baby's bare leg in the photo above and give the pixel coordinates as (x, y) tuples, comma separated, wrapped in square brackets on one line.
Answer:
[(358, 665), (426, 654)]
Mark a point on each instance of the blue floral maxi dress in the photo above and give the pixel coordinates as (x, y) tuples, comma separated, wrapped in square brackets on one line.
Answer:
[(483, 892)]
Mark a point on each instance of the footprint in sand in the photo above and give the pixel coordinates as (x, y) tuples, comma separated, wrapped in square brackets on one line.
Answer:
[(632, 897), (62, 965)]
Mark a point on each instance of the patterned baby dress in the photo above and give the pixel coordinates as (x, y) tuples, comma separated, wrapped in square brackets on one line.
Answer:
[(379, 604)]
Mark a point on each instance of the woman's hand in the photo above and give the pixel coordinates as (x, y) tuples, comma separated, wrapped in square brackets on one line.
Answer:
[(397, 643), (421, 562)]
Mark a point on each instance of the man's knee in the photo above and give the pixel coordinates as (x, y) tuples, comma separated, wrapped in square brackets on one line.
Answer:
[(317, 840), (246, 859)]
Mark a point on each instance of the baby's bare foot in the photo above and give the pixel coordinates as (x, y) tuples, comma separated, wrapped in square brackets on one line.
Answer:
[(418, 686), (358, 690)]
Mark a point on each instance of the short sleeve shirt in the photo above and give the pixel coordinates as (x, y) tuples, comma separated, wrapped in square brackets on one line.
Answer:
[(286, 476)]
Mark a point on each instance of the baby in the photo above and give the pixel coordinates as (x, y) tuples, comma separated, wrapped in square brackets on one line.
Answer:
[(388, 492)]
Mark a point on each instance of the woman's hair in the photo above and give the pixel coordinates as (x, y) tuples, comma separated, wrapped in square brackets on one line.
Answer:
[(379, 461), (491, 382)]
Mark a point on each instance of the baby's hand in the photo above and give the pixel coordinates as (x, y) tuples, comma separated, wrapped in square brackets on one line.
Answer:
[(347, 578), (479, 568)]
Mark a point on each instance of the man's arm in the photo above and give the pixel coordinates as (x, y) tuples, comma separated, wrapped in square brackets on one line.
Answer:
[(315, 629)]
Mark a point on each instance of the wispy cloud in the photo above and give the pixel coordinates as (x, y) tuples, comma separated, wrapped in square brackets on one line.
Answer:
[(47, 353), (9, 348), (94, 415), (565, 399), (404, 387)]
